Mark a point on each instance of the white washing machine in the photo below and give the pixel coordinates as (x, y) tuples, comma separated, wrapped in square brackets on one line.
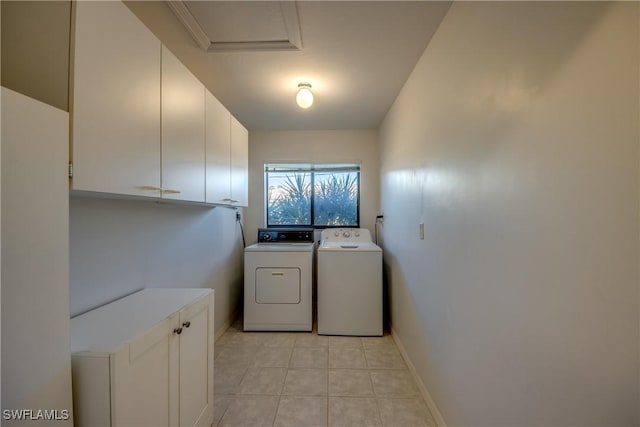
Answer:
[(349, 283), (278, 278)]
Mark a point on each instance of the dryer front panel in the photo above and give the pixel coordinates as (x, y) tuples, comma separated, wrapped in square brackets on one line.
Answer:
[(278, 289), (277, 285)]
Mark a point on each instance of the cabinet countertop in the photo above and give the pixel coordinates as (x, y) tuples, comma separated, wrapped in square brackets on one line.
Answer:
[(107, 328)]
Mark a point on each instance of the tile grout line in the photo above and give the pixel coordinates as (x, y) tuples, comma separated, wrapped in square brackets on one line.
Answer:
[(284, 382), (286, 372), (375, 394), (328, 357), (376, 398), (328, 383)]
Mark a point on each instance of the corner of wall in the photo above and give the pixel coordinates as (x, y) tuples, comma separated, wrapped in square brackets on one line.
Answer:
[(431, 404), (638, 276), (0, 202)]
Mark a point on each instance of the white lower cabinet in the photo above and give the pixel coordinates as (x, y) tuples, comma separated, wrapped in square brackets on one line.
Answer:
[(194, 398), (145, 360)]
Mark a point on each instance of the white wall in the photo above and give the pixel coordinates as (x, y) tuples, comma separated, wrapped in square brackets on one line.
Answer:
[(120, 246), (35, 49), (36, 362), (0, 213), (515, 140), (326, 146)]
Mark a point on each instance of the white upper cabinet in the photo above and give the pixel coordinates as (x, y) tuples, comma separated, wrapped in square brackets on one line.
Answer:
[(239, 163), (115, 102), (227, 155), (142, 123), (183, 127), (218, 149)]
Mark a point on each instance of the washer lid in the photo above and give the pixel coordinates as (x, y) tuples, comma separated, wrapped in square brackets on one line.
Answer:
[(349, 246)]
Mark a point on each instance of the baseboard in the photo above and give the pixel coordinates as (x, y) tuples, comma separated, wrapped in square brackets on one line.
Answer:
[(226, 325), (437, 416)]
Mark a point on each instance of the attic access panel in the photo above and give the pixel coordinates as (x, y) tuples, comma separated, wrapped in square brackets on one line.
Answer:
[(240, 26)]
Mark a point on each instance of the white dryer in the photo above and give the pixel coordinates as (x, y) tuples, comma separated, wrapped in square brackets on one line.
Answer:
[(349, 283), (278, 278)]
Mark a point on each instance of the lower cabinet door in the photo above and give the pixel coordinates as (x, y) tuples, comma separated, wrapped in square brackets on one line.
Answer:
[(145, 378), (196, 364)]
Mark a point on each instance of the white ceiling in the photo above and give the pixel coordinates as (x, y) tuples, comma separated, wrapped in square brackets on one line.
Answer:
[(356, 54), (261, 21)]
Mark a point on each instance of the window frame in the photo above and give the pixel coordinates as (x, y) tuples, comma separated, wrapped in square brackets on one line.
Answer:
[(311, 170)]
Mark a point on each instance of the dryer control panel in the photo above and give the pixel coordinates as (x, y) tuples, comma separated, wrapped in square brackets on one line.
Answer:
[(285, 235)]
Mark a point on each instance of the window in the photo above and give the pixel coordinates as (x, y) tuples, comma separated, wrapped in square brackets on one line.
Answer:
[(313, 195)]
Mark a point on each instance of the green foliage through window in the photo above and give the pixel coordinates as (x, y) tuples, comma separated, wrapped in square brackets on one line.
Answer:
[(323, 197)]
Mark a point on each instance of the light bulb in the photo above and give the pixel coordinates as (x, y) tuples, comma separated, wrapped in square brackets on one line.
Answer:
[(304, 98)]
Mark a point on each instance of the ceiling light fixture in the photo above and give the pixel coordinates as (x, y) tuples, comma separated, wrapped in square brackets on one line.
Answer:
[(304, 98)]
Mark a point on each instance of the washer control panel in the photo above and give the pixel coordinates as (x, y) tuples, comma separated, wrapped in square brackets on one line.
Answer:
[(285, 235), (346, 235)]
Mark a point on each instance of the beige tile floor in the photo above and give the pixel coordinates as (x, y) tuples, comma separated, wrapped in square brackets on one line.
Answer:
[(304, 379)]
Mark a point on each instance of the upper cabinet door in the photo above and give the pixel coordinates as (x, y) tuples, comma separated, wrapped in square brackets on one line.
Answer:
[(183, 127), (115, 102), (218, 143), (239, 163)]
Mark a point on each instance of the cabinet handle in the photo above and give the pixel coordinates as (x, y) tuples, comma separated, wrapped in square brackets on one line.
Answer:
[(233, 200), (150, 188), (162, 190), (187, 324), (170, 191), (177, 331), (226, 200)]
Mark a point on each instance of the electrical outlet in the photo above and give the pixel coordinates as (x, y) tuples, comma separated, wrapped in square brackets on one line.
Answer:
[(421, 227)]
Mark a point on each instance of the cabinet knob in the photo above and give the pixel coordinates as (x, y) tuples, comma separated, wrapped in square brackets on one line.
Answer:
[(177, 331), (187, 324)]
